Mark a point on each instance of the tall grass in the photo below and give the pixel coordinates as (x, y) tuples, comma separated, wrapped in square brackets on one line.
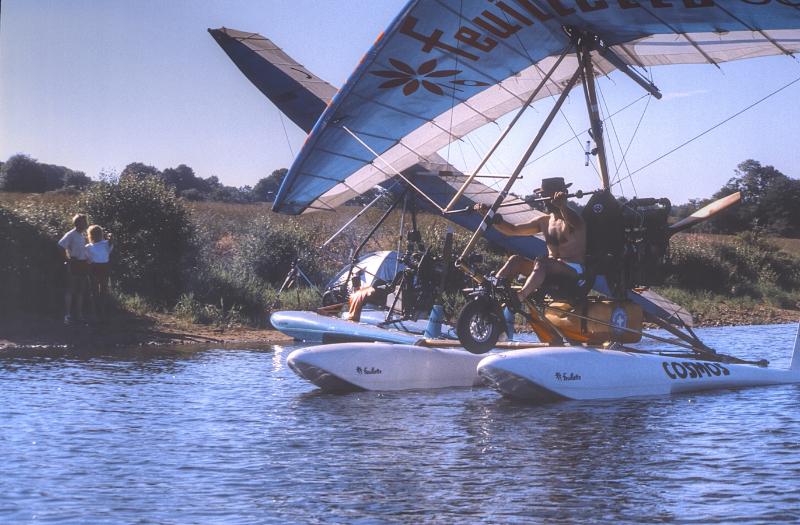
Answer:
[(744, 266), (231, 258)]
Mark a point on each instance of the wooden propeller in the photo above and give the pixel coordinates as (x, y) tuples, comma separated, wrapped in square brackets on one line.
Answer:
[(705, 213)]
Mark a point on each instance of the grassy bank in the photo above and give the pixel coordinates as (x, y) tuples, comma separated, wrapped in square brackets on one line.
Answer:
[(216, 265), (729, 280)]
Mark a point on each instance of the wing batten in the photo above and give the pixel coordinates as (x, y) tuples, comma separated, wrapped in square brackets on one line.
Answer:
[(424, 142)]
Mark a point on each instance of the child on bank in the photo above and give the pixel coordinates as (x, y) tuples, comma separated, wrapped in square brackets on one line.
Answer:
[(99, 251)]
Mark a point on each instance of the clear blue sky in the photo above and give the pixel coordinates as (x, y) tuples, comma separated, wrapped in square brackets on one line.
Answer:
[(96, 84)]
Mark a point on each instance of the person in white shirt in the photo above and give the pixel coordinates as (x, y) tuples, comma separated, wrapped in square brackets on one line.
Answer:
[(74, 245), (99, 250)]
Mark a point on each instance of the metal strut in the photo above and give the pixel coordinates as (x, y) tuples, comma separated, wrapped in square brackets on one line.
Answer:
[(545, 79), (363, 243), (296, 270), (381, 193), (585, 47), (513, 178)]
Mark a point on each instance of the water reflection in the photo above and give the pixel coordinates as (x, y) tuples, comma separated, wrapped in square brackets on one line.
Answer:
[(221, 435)]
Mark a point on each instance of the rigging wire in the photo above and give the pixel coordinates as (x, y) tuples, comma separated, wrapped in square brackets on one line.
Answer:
[(550, 93), (286, 134), (602, 104), (561, 145), (615, 178), (624, 159), (578, 141), (635, 131), (461, 150), (712, 128), (617, 175), (453, 96), (494, 164)]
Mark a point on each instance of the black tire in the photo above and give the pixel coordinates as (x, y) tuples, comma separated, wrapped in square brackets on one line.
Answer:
[(480, 324)]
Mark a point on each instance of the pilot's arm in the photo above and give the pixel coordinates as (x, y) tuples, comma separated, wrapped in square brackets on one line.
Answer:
[(571, 217), (515, 230)]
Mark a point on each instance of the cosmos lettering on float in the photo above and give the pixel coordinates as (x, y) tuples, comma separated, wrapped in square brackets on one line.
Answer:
[(693, 369)]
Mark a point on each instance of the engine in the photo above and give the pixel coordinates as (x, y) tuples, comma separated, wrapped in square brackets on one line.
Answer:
[(627, 241), (646, 240)]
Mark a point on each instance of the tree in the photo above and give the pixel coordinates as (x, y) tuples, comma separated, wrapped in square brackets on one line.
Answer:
[(231, 194), (753, 180), (780, 208), (193, 194), (767, 201), (76, 179), (25, 174), (266, 188), (53, 176), (21, 173), (182, 178), (139, 171)]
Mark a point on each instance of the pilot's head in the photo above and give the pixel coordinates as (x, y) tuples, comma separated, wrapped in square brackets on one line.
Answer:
[(550, 187)]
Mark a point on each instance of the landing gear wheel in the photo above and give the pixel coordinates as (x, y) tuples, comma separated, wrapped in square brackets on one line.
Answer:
[(479, 326)]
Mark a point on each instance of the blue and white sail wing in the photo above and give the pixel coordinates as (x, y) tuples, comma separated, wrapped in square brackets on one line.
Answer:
[(303, 96), (444, 68)]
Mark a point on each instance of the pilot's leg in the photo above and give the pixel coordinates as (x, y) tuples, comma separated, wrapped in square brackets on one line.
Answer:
[(515, 265), (542, 267)]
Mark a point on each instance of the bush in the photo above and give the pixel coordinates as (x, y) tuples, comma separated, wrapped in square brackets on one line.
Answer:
[(268, 248), (152, 234), (746, 266), (242, 258), (31, 266), (696, 265)]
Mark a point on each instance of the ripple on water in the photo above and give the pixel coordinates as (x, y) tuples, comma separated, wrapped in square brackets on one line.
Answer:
[(232, 436)]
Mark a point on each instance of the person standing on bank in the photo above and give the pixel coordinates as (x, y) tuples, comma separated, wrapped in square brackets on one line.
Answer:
[(98, 251), (77, 263)]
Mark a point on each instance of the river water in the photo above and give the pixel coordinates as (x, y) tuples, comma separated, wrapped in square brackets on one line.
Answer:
[(188, 435)]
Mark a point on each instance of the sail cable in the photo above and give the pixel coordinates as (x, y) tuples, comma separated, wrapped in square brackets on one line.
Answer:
[(392, 168), (715, 126)]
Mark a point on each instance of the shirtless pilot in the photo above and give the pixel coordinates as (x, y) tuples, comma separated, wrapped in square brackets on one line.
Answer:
[(565, 234)]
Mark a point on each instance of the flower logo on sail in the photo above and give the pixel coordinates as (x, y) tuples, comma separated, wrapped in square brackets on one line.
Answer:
[(425, 76)]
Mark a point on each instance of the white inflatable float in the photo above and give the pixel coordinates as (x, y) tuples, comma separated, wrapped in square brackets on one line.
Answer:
[(384, 366), (588, 373), (532, 374)]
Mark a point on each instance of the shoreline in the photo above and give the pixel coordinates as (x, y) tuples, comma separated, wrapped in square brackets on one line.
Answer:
[(28, 332), (151, 330)]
